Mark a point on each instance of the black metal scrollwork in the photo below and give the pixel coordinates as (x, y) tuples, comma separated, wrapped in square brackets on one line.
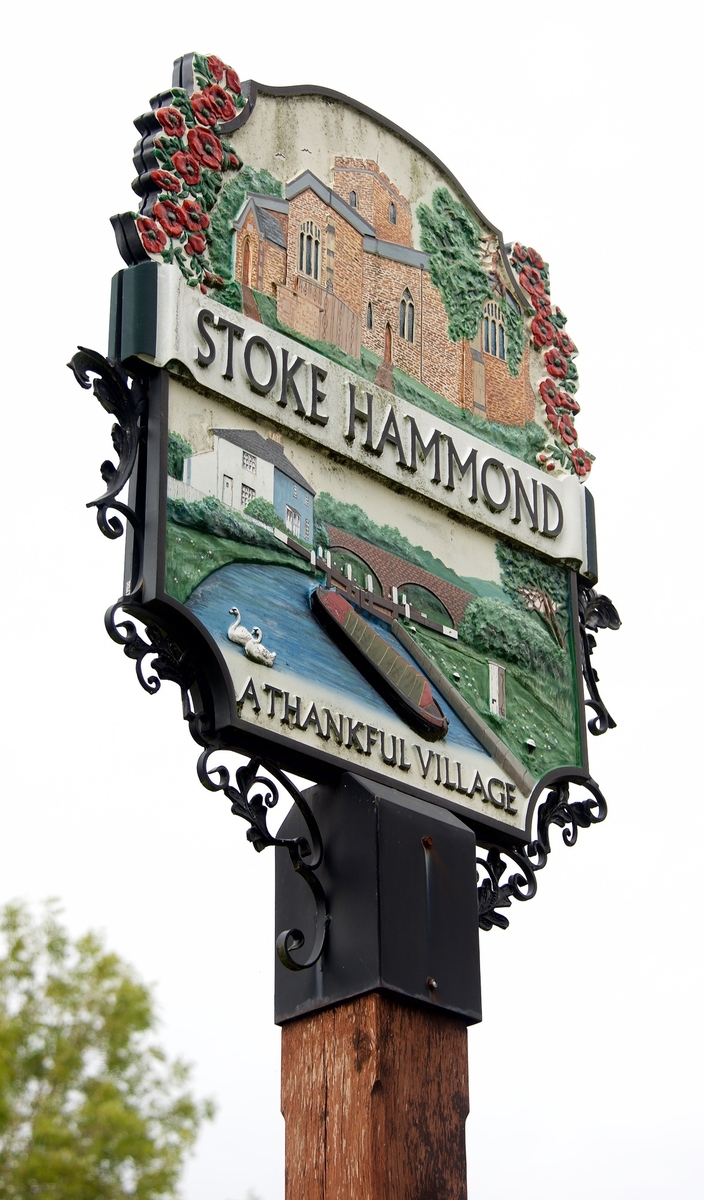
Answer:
[(125, 400), (256, 793), (595, 612), (556, 809), (252, 799)]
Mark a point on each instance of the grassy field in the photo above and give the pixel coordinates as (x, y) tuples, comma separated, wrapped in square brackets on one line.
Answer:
[(540, 708), (191, 556)]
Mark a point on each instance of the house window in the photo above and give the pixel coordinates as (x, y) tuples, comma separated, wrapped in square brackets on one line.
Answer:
[(295, 491), (406, 317), (309, 250), (353, 199), (306, 500), (249, 461), (392, 213), (247, 494), (369, 316), (293, 521), (494, 331), (307, 530)]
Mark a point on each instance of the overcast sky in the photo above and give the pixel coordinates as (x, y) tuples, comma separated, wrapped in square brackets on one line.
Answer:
[(572, 127)]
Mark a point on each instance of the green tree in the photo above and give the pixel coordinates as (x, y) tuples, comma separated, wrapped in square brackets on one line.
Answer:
[(451, 238), (496, 628), (90, 1108)]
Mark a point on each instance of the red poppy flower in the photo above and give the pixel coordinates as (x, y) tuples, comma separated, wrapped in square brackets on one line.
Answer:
[(170, 217), (581, 461), (171, 121), (555, 363), (206, 148), (550, 466), (166, 181), (195, 244), (535, 258), (541, 303), (203, 289), (232, 80), (552, 415), (549, 392), (221, 102), (543, 332), (565, 343), (187, 166), (194, 217), (567, 431), (234, 162), (566, 401), (216, 66), (520, 253), (204, 109), (153, 239), (531, 280)]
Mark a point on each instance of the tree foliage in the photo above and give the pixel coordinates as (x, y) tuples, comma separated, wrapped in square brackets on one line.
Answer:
[(177, 452), (499, 630), (90, 1108), (521, 569), (263, 510), (451, 237)]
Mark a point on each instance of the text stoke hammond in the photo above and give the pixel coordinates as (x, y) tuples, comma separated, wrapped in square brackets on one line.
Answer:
[(295, 383)]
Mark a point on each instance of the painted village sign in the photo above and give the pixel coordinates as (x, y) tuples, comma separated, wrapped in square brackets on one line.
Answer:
[(361, 484)]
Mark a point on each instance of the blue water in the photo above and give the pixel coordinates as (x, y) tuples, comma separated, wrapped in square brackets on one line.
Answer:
[(277, 599)]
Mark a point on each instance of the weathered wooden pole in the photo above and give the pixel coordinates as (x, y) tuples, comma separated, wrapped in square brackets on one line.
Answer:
[(375, 1097), (374, 1079)]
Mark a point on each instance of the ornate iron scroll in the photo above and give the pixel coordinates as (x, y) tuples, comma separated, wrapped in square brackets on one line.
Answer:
[(595, 612), (258, 782), (556, 809)]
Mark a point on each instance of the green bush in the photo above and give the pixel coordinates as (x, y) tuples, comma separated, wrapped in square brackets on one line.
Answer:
[(263, 510), (178, 450), (499, 630), (212, 516)]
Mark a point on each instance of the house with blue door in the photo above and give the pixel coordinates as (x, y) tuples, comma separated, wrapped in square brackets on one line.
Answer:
[(244, 465)]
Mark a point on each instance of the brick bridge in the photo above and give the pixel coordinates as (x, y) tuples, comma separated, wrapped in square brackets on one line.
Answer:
[(392, 571)]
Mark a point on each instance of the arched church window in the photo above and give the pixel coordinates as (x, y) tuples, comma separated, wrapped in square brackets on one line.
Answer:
[(406, 317), (369, 316), (309, 250), (392, 213), (494, 331), (353, 199)]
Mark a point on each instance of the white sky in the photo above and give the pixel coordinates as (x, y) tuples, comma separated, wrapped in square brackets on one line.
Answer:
[(572, 128)]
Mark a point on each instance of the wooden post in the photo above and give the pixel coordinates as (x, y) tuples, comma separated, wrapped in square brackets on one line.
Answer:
[(375, 1096)]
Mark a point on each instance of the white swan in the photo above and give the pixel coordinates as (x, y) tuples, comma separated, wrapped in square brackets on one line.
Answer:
[(237, 633), (258, 653)]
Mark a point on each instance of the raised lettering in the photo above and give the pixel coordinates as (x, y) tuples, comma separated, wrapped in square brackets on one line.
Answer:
[(425, 766), (250, 693), (417, 444), (233, 331), (470, 463), (496, 506), (521, 494), (391, 434), (257, 386), (317, 376), (358, 414), (546, 531), (204, 314), (288, 381), (490, 791)]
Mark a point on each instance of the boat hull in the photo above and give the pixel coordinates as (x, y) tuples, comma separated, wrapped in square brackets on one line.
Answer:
[(402, 686)]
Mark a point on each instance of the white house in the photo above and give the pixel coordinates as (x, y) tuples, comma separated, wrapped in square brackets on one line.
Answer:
[(243, 465)]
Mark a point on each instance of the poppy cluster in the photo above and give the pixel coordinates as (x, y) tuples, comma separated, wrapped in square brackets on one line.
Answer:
[(557, 349), (192, 158)]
